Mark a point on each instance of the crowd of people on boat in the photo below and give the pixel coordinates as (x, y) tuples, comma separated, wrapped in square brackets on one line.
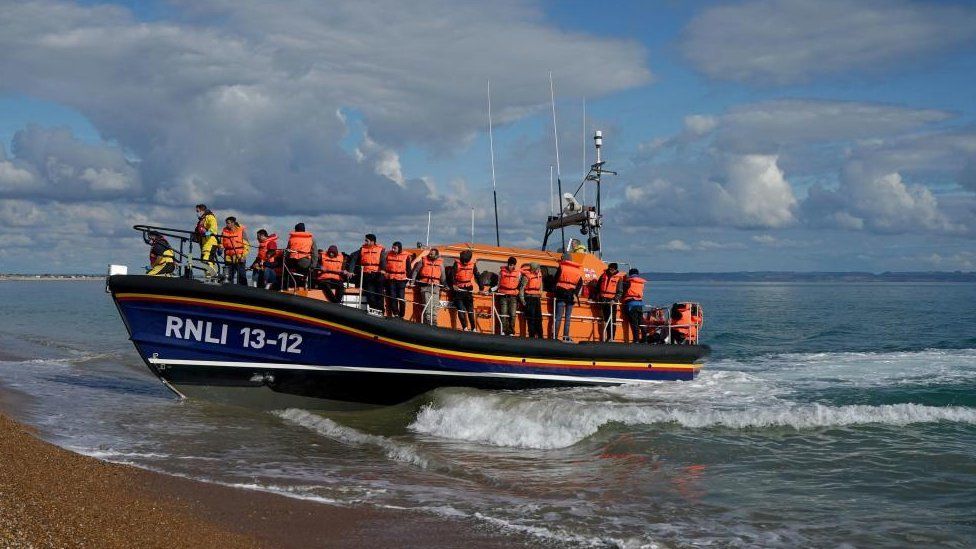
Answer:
[(384, 275)]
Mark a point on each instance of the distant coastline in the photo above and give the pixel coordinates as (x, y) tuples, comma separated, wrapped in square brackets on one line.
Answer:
[(825, 276), (29, 277)]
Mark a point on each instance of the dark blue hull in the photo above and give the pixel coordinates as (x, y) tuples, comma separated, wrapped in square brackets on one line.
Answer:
[(224, 342)]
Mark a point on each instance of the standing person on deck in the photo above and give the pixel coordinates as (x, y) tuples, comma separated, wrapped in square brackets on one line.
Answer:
[(301, 245), (233, 239), (206, 235), (569, 281), (267, 247), (633, 290), (331, 274), (462, 282), (530, 297), (506, 294), (609, 291), (395, 270), (428, 270), (371, 261)]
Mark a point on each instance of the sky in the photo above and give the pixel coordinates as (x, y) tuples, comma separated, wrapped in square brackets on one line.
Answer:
[(837, 135)]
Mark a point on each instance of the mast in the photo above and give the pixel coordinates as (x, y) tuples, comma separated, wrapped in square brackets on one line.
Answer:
[(491, 146), (589, 219), (559, 180)]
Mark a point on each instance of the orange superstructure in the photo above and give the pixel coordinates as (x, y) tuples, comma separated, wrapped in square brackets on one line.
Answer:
[(586, 315)]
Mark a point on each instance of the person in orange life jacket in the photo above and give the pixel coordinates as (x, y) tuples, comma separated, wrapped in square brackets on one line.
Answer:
[(608, 291), (370, 259), (656, 326), (506, 295), (530, 297), (298, 258), (428, 271), (233, 240), (569, 281), (205, 234), (267, 248), (463, 278), (633, 292), (395, 269), (162, 260), (331, 275), (684, 320)]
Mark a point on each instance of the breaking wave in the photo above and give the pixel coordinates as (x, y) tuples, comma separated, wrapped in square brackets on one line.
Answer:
[(735, 395), (396, 451), (554, 423)]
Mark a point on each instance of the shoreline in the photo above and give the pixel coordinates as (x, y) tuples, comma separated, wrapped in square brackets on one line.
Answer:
[(51, 496)]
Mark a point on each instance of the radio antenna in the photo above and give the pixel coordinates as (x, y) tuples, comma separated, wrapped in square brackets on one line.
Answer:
[(583, 149), (559, 180), (491, 146), (551, 183)]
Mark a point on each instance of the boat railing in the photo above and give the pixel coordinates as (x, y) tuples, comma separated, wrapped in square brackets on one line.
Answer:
[(496, 317), (186, 240)]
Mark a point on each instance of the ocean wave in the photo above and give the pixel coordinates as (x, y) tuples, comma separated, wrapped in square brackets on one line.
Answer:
[(859, 369), (549, 422), (324, 426)]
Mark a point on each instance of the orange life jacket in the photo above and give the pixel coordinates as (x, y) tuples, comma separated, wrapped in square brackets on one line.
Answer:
[(430, 271), (300, 244), (635, 292), (396, 265), (232, 240), (533, 282), (608, 285), (331, 267), (272, 242), (274, 257), (508, 280), (686, 323), (463, 274), (369, 258), (570, 274)]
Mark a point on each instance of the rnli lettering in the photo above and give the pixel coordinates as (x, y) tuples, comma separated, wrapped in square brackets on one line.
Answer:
[(251, 338), (198, 330)]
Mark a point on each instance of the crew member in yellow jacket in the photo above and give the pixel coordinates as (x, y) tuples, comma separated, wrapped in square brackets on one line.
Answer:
[(162, 258), (206, 235)]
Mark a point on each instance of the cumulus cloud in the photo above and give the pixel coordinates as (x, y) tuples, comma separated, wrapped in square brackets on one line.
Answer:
[(237, 103), (227, 111), (869, 162), (742, 191), (777, 126), (881, 202), (788, 41), (52, 163), (755, 193)]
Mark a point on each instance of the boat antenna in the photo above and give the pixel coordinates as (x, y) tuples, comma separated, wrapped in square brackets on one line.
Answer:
[(551, 183), (583, 150), (472, 223), (559, 180), (428, 230), (491, 146)]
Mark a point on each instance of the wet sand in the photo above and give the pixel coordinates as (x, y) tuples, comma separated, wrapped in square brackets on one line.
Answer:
[(52, 497)]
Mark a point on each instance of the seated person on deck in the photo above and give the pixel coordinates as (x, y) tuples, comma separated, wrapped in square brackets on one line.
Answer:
[(162, 258)]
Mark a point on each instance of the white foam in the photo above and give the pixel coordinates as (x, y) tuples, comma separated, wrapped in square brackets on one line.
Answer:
[(114, 455), (861, 369), (548, 421), (324, 426)]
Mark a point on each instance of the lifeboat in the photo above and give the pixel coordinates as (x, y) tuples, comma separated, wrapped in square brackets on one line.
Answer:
[(275, 348)]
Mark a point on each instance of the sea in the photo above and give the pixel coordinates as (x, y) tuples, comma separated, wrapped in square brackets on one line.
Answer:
[(829, 415)]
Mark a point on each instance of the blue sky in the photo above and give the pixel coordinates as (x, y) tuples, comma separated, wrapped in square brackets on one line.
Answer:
[(749, 135)]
